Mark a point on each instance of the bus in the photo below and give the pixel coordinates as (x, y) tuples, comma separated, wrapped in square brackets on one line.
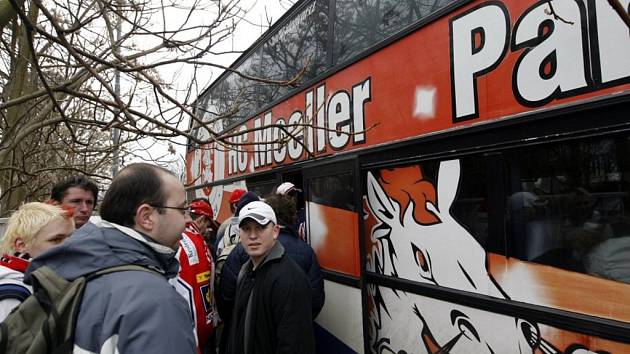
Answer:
[(465, 168)]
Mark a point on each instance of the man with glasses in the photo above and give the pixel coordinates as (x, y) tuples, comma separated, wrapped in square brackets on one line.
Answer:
[(196, 275), (143, 215)]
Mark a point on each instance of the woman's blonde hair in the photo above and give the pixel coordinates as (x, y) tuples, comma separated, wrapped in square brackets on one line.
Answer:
[(26, 222)]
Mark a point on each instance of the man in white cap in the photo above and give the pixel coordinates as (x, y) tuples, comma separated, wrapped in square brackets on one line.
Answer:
[(272, 311), (289, 189)]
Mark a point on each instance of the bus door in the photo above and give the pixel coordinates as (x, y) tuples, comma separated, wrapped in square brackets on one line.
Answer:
[(332, 216)]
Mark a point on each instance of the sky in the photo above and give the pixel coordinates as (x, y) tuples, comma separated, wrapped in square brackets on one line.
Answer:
[(250, 28)]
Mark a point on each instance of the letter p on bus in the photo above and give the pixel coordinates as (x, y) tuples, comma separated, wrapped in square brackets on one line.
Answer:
[(479, 40)]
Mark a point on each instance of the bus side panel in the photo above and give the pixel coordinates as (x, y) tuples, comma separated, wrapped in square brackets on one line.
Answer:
[(339, 327), (416, 324)]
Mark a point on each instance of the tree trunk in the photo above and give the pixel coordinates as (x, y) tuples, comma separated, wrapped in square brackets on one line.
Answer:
[(12, 193)]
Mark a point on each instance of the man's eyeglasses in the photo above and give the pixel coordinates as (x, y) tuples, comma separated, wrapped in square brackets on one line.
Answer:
[(185, 209)]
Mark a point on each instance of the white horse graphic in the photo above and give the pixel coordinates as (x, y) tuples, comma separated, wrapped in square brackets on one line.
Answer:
[(442, 253)]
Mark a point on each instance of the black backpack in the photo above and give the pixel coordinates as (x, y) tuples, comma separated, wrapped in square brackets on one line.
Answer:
[(45, 321)]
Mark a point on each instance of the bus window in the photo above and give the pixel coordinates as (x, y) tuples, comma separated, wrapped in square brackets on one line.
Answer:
[(566, 206), (413, 230), (361, 24), (333, 222), (262, 188), (334, 191), (300, 42)]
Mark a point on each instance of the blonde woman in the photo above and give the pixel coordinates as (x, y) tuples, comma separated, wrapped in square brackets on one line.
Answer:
[(31, 230)]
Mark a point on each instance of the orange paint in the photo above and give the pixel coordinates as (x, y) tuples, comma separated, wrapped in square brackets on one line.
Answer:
[(337, 248), (406, 184), (564, 289)]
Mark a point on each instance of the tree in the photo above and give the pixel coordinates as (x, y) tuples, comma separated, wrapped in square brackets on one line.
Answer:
[(72, 71)]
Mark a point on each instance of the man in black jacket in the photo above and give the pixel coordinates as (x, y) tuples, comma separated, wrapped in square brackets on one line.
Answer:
[(272, 312), (298, 250)]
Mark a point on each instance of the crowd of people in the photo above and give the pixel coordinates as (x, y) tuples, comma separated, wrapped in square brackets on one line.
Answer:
[(247, 285)]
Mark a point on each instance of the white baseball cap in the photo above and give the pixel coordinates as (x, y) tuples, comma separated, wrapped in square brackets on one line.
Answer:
[(258, 211), (286, 187)]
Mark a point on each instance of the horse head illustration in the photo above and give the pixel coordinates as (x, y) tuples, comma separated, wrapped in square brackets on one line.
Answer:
[(417, 238)]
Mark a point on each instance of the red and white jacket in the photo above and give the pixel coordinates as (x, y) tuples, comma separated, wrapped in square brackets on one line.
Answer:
[(195, 282)]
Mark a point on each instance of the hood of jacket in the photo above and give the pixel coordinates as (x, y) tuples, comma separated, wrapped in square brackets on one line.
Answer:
[(101, 245)]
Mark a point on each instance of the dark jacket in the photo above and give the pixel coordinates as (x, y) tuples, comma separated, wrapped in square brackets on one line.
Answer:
[(295, 248), (272, 312), (124, 312)]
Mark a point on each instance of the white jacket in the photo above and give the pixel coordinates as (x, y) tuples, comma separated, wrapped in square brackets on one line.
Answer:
[(11, 283)]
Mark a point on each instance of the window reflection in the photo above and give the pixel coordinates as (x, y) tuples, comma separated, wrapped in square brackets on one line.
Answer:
[(359, 24), (566, 207), (298, 44), (335, 191)]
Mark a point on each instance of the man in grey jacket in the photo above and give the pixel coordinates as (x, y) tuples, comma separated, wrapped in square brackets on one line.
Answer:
[(144, 213)]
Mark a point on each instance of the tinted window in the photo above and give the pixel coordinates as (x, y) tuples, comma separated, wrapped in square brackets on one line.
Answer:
[(300, 43), (413, 186), (359, 24), (336, 191), (566, 206), (239, 96), (332, 222), (262, 188)]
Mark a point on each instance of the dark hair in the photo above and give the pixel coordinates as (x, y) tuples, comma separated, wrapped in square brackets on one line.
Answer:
[(133, 186), (60, 189), (246, 199), (284, 207)]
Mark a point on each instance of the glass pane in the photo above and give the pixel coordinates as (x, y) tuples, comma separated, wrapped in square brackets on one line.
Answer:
[(240, 96), (359, 24), (336, 191), (333, 224), (567, 206), (262, 188), (300, 42), (406, 191)]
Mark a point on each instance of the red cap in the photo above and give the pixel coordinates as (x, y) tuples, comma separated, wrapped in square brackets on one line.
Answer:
[(236, 195), (200, 207)]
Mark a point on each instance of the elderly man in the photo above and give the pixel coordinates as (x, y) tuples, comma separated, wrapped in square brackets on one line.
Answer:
[(144, 213), (78, 193), (272, 312)]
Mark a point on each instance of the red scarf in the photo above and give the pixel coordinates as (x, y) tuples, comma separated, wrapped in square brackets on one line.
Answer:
[(18, 262)]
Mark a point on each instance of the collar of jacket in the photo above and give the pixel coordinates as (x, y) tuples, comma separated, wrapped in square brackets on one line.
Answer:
[(136, 235), (276, 252)]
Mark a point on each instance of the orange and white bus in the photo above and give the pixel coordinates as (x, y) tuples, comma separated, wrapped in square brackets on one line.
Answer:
[(465, 168)]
